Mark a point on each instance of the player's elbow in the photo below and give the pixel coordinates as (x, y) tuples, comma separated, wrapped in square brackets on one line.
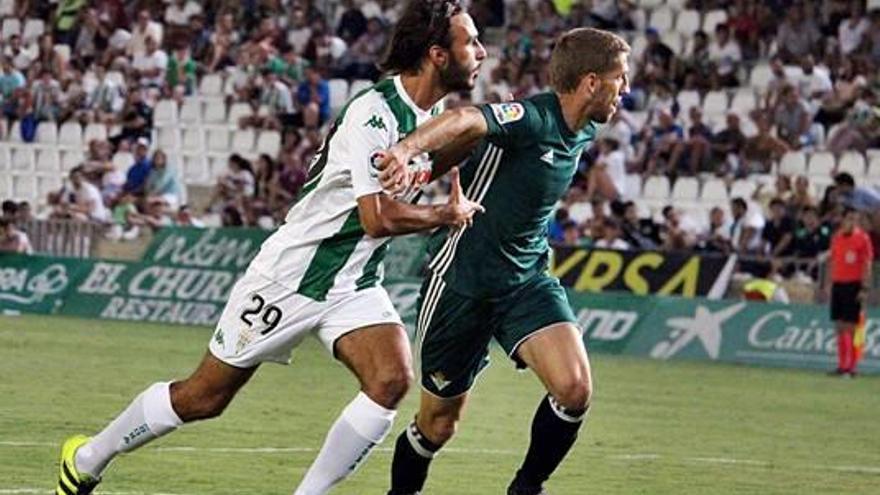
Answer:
[(378, 226)]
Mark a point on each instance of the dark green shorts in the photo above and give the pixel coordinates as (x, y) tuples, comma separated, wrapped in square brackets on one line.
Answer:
[(454, 331)]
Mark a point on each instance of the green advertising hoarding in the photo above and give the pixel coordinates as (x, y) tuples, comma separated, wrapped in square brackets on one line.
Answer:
[(34, 284)]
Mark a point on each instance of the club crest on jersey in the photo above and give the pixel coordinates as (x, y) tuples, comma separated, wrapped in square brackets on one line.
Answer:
[(506, 113), (375, 158)]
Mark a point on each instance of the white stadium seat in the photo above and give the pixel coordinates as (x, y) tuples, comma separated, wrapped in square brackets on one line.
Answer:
[(165, 113), (269, 142), (215, 113), (686, 188), (656, 187), (714, 190), (23, 159), (5, 158), (821, 164), (760, 76), (661, 19), (211, 85), (218, 140), (47, 184), (195, 169), (24, 187), (94, 131), (742, 188), (673, 40), (633, 185), (688, 22), (122, 160), (47, 134), (32, 30), (169, 138), (7, 8), (743, 101), (874, 168), (72, 158), (193, 140), (714, 18), (191, 111), (853, 163), (70, 135), (236, 112), (687, 99), (715, 103), (793, 163), (11, 26), (48, 161), (243, 140)]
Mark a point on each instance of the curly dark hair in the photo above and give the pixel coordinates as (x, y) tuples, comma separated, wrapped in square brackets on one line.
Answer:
[(424, 23)]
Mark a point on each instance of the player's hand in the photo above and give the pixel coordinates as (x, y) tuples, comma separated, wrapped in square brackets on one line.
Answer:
[(394, 173), (459, 208)]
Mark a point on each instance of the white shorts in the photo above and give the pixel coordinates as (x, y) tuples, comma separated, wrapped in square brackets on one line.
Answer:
[(264, 320)]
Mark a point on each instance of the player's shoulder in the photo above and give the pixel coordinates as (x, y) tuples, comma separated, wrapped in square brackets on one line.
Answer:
[(368, 108)]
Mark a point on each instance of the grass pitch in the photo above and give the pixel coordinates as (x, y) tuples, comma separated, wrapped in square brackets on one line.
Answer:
[(655, 428)]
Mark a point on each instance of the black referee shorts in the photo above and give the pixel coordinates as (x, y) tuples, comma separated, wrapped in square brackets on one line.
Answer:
[(845, 304)]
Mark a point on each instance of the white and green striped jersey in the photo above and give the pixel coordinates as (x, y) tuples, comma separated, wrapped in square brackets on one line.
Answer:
[(322, 249)]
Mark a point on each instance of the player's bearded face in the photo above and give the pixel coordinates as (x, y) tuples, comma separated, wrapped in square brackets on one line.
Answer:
[(457, 75), (606, 97)]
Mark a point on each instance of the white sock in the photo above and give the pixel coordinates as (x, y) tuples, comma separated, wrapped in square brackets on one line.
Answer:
[(149, 416), (361, 426)]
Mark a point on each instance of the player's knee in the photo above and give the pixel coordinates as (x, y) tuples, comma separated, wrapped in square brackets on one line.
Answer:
[(390, 385), (574, 393), (440, 429), (192, 403)]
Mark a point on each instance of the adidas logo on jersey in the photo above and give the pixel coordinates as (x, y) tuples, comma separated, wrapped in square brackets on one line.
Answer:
[(547, 157)]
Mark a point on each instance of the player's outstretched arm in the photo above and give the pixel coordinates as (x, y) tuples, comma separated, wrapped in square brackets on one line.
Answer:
[(382, 216), (446, 135)]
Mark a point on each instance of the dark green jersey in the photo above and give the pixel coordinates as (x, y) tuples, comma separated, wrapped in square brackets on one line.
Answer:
[(519, 171)]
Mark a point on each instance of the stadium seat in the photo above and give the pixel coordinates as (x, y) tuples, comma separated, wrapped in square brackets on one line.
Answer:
[(14, 135), (687, 99), (661, 19), (11, 26), (714, 190), (853, 163), (23, 159), (713, 18), (359, 85), (760, 76), (215, 112), (5, 186), (686, 188), (47, 184), (236, 112), (688, 22), (742, 188), (243, 140), (633, 185), (269, 142), (638, 45), (24, 187), (48, 161), (743, 101), (32, 30), (338, 94), (649, 4), (63, 51), (94, 131), (5, 158), (70, 135), (211, 85), (673, 40), (47, 134), (218, 140), (821, 164), (195, 169), (122, 160), (72, 158), (193, 140), (165, 113), (168, 138), (793, 163), (715, 103), (656, 187), (215, 168), (7, 8), (874, 168), (818, 185), (190, 111)]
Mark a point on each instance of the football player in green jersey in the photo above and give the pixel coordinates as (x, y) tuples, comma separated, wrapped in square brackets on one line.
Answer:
[(490, 280)]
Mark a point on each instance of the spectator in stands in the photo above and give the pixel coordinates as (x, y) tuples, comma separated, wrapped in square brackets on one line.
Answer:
[(678, 232), (802, 195), (852, 31), (323, 49), (82, 201), (779, 80), (861, 129), (745, 232), (608, 174), (236, 186), (127, 221), (815, 83), (762, 150), (595, 225), (572, 236), (136, 177), (290, 67), (725, 54), (845, 92), (178, 15), (185, 218), (9, 210), (657, 59), (797, 36), (716, 237), (150, 66), (557, 225), (873, 38), (313, 96), (144, 28), (12, 82), (862, 199), (231, 217), (92, 37), (163, 185), (180, 74), (793, 119), (137, 120), (811, 239), (104, 103), (639, 233), (695, 154), (352, 22), (24, 213), (695, 70), (20, 57), (276, 96), (13, 240), (778, 233), (67, 20), (726, 147), (743, 20), (612, 237), (663, 142), (46, 96), (364, 52)]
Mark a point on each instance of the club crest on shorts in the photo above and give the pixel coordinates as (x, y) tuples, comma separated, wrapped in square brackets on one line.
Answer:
[(439, 380), (506, 113)]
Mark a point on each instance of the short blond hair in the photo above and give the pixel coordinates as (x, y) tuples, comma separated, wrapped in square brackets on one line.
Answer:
[(581, 51)]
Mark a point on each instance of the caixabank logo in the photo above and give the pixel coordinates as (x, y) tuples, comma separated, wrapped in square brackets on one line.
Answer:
[(705, 327)]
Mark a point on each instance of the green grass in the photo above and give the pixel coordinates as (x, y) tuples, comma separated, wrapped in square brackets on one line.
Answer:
[(656, 427)]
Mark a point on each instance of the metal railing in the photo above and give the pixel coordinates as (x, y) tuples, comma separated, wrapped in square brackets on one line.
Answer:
[(63, 237)]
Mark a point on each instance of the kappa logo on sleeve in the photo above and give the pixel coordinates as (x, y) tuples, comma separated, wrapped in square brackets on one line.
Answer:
[(506, 113)]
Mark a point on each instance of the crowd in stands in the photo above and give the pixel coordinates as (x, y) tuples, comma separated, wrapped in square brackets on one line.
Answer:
[(749, 127)]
